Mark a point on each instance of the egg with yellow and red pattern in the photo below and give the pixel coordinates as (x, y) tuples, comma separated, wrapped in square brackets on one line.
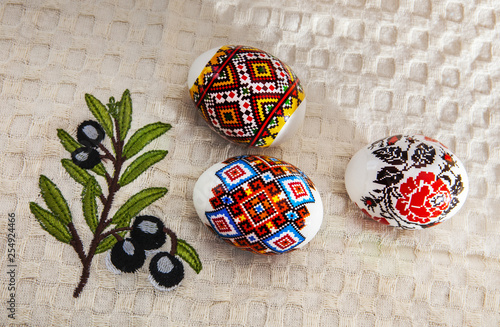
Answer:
[(411, 182), (247, 95)]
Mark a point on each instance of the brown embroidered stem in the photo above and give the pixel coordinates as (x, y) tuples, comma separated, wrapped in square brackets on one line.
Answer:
[(83, 280), (108, 178), (76, 242), (104, 222), (107, 154), (117, 236), (113, 231), (173, 240)]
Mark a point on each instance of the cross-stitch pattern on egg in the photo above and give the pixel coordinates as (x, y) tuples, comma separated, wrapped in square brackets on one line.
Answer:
[(259, 203), (247, 95), (412, 182)]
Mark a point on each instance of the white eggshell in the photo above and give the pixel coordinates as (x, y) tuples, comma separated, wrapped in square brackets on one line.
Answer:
[(245, 97), (198, 65), (411, 182), (258, 203)]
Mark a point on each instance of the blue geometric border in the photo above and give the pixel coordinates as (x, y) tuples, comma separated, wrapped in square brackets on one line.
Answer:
[(296, 201), (249, 174), (289, 237), (223, 216)]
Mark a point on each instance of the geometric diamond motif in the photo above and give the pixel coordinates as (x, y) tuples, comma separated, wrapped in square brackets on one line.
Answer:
[(261, 70), (259, 208), (229, 116), (285, 240), (297, 191), (235, 174), (222, 223)]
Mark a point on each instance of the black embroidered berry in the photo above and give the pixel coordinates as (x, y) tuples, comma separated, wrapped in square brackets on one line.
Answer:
[(90, 133), (165, 271), (148, 232), (86, 157), (125, 256)]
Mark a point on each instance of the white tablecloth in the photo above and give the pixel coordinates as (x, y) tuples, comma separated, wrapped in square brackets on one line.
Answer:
[(370, 68)]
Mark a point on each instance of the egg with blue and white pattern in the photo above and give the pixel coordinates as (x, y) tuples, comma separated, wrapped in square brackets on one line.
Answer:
[(259, 203)]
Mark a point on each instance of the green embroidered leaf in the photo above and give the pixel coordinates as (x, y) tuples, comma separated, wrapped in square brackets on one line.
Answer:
[(140, 165), (100, 113), (67, 141), (125, 114), (80, 175), (89, 204), (107, 243), (143, 137), (50, 223), (54, 200), (189, 254), (99, 169), (112, 107), (70, 144), (135, 204)]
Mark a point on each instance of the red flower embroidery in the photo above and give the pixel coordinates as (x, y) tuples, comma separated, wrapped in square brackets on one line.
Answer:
[(394, 139), (379, 219), (423, 198)]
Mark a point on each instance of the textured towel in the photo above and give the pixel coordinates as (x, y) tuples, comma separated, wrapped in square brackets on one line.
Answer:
[(370, 69)]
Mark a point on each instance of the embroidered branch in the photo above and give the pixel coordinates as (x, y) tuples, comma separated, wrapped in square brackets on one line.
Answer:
[(126, 255)]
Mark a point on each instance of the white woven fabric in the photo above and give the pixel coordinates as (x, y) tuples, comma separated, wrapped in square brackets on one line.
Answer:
[(370, 68)]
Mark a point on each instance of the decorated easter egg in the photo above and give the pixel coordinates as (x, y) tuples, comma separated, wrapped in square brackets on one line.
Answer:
[(412, 182), (259, 203), (247, 95)]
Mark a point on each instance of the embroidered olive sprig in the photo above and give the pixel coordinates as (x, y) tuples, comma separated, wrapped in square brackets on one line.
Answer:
[(87, 156)]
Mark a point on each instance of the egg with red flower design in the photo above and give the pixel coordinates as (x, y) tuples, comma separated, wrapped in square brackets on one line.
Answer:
[(247, 95), (411, 182)]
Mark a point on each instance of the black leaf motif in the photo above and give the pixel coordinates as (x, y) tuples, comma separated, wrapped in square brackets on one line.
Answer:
[(445, 178), (389, 176), (392, 155), (458, 187), (424, 155), (378, 143), (370, 202), (454, 202)]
